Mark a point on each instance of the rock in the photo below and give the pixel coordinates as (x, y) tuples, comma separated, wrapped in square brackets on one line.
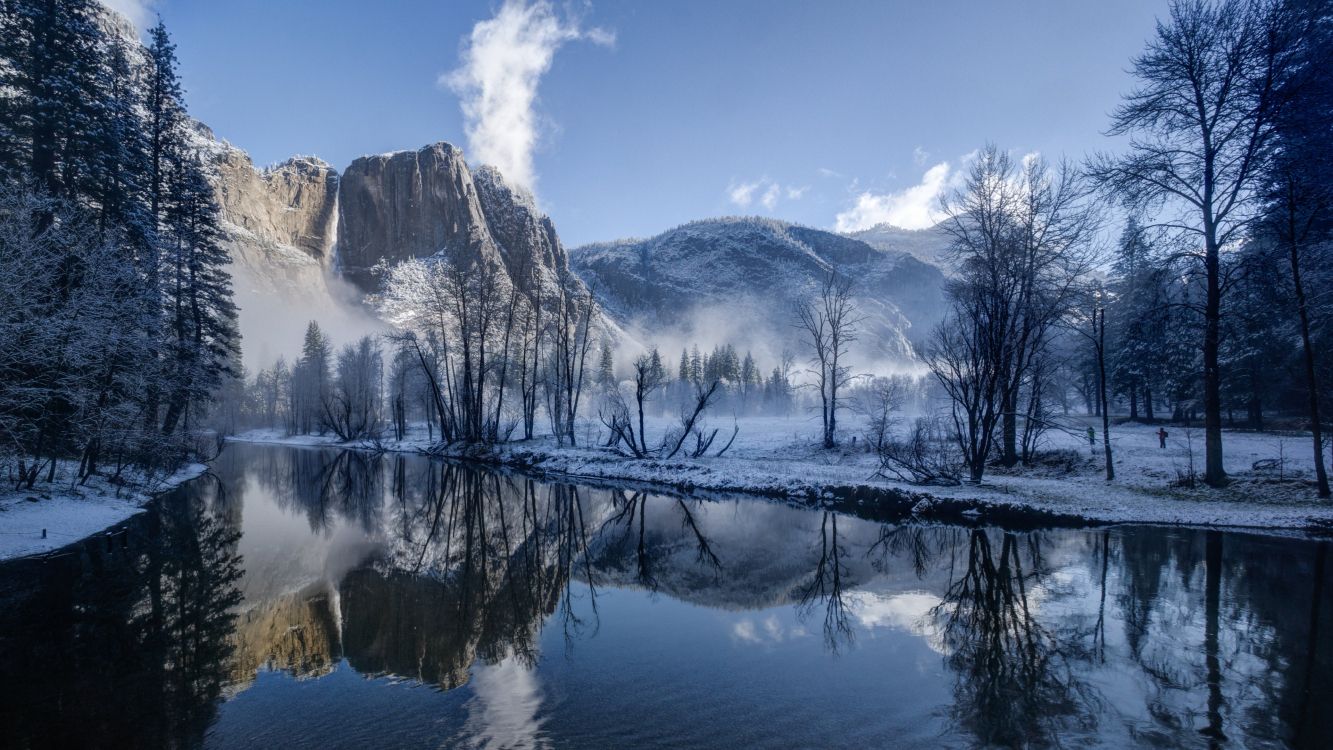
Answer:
[(294, 203), (408, 204)]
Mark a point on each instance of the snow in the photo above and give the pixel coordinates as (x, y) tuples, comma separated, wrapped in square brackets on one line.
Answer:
[(68, 513), (780, 457)]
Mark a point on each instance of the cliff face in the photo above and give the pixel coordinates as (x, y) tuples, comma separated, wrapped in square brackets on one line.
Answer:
[(299, 230), (294, 203), (408, 204), (527, 241)]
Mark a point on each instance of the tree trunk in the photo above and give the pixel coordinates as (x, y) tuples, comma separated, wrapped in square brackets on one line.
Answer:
[(1105, 408), (1214, 473), (1009, 427), (1147, 404), (1311, 382)]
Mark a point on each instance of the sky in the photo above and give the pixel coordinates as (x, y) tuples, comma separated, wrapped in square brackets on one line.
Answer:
[(628, 118)]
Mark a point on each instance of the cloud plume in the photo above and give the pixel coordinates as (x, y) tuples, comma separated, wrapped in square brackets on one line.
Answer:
[(502, 64), (915, 207)]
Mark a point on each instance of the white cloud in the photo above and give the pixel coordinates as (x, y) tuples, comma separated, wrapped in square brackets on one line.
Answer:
[(502, 64), (742, 194), (915, 207), (763, 191), (140, 12)]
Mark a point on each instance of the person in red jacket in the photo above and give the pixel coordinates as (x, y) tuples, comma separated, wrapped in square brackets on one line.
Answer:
[(1161, 437)]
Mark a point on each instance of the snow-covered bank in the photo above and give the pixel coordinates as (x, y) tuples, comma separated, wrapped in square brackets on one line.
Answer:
[(780, 458), (51, 516)]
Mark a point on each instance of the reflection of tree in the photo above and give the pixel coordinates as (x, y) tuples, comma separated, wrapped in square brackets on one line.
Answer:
[(481, 563), (1013, 677), (911, 540), (1312, 715), (326, 485), (124, 644), (200, 569), (631, 517), (1212, 613), (826, 586)]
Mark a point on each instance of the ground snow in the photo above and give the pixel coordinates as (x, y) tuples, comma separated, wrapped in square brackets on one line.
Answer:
[(780, 456), (68, 513)]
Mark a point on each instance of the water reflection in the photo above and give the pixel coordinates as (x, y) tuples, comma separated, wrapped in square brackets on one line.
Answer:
[(124, 642), (494, 588)]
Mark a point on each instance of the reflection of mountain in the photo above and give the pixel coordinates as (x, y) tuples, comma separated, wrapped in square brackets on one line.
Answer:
[(296, 633), (446, 575)]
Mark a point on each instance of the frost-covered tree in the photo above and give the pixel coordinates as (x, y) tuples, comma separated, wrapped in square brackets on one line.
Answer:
[(1202, 125), (829, 322), (77, 169), (311, 379)]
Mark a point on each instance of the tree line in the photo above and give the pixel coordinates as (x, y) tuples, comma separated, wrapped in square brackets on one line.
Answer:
[(116, 317), (1211, 302)]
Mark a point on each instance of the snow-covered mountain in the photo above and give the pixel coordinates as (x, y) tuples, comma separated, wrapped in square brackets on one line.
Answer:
[(926, 245), (737, 280)]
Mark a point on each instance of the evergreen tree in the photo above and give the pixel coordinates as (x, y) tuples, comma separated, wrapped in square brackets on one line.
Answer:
[(656, 369), (311, 378), (606, 368)]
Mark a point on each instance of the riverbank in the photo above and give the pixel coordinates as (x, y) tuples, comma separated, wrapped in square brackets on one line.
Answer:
[(780, 458), (50, 516)]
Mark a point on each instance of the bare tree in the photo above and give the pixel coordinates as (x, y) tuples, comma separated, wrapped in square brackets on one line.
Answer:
[(830, 322), (1201, 124), (352, 408), (1091, 325), (1019, 237)]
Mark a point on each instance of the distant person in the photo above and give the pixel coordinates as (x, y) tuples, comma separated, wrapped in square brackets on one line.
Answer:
[(1161, 437), (1092, 437)]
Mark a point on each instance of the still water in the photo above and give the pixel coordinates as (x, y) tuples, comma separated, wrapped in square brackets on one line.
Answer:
[(319, 598)]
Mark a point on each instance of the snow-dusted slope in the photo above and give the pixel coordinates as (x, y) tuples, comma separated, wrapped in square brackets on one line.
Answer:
[(737, 279), (926, 245)]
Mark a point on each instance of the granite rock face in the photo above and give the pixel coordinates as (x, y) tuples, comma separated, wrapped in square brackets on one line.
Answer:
[(408, 204), (294, 203), (305, 240), (526, 237)]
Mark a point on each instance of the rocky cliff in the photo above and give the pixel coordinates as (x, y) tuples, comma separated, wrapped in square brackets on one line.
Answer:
[(294, 204), (298, 230), (408, 204)]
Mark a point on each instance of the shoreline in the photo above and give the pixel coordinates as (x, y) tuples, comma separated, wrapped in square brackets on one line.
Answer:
[(1005, 500), (70, 515)]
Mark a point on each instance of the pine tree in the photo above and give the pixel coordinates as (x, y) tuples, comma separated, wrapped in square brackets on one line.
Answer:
[(606, 368), (311, 378), (657, 369)]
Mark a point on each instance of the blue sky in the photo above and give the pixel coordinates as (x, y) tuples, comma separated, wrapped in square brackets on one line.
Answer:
[(646, 115)]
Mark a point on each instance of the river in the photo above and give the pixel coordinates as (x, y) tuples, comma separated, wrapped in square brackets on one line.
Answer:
[(300, 597)]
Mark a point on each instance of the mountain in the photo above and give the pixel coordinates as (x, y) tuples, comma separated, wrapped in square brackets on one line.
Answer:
[(737, 279), (305, 238), (926, 245)]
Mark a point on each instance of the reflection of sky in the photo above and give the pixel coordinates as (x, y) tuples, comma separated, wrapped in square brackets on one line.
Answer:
[(708, 645), (282, 554)]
